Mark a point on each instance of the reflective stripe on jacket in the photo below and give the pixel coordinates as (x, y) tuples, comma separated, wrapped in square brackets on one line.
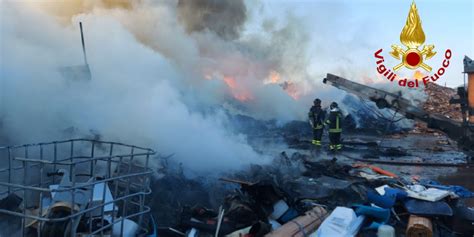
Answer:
[(334, 121)]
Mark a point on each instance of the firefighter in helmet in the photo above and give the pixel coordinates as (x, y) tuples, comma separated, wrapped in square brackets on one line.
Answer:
[(334, 124), (316, 119)]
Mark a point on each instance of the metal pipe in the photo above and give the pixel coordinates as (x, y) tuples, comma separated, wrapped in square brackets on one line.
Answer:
[(73, 197), (25, 200), (10, 171), (83, 44)]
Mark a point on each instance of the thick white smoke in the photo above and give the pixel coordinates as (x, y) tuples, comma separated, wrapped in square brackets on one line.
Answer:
[(160, 75), (211, 40), (136, 95)]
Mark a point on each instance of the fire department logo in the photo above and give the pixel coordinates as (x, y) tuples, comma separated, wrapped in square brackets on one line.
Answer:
[(412, 36), (413, 55)]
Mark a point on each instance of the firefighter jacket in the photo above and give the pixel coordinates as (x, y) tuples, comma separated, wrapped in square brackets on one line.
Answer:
[(334, 121), (316, 117)]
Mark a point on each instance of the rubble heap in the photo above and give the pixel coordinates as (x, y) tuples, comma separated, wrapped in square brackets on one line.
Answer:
[(297, 195), (437, 102)]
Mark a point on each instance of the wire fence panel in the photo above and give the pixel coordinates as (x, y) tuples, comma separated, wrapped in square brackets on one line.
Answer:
[(76, 187)]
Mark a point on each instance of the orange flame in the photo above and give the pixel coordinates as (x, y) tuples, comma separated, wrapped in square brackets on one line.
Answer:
[(273, 78), (238, 92), (243, 94), (418, 75), (291, 89), (230, 82)]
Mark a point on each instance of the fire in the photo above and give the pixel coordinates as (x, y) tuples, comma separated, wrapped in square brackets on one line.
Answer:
[(273, 78), (240, 93), (418, 75), (291, 89), (231, 83), (243, 97)]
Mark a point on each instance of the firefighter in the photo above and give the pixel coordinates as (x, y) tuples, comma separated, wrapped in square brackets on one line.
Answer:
[(316, 119), (334, 124)]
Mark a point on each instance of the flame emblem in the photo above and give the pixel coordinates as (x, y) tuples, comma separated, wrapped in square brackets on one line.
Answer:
[(412, 36)]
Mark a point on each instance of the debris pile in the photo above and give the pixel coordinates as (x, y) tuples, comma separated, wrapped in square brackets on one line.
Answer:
[(437, 102), (298, 196)]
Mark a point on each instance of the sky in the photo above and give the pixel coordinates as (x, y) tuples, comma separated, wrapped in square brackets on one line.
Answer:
[(349, 32)]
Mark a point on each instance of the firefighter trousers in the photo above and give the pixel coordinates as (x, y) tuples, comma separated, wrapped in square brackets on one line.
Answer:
[(335, 140), (317, 134)]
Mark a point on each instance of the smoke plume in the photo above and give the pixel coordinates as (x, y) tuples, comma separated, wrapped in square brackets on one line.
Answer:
[(226, 18), (137, 93), (165, 74)]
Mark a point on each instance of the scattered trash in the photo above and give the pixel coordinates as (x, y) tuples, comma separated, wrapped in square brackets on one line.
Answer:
[(323, 198), (376, 215), (458, 190), (372, 176), (302, 225), (326, 198), (341, 222), (427, 194), (428, 208), (376, 169), (387, 197), (385, 231)]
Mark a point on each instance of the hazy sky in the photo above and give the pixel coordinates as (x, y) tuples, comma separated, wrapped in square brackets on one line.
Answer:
[(349, 32)]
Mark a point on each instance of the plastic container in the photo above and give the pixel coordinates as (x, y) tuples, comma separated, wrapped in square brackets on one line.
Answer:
[(385, 231), (279, 208)]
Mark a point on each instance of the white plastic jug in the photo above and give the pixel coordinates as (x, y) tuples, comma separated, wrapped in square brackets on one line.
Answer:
[(385, 231), (343, 222)]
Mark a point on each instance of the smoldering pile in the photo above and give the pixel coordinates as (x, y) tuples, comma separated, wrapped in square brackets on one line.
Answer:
[(267, 200), (295, 178), (437, 102)]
